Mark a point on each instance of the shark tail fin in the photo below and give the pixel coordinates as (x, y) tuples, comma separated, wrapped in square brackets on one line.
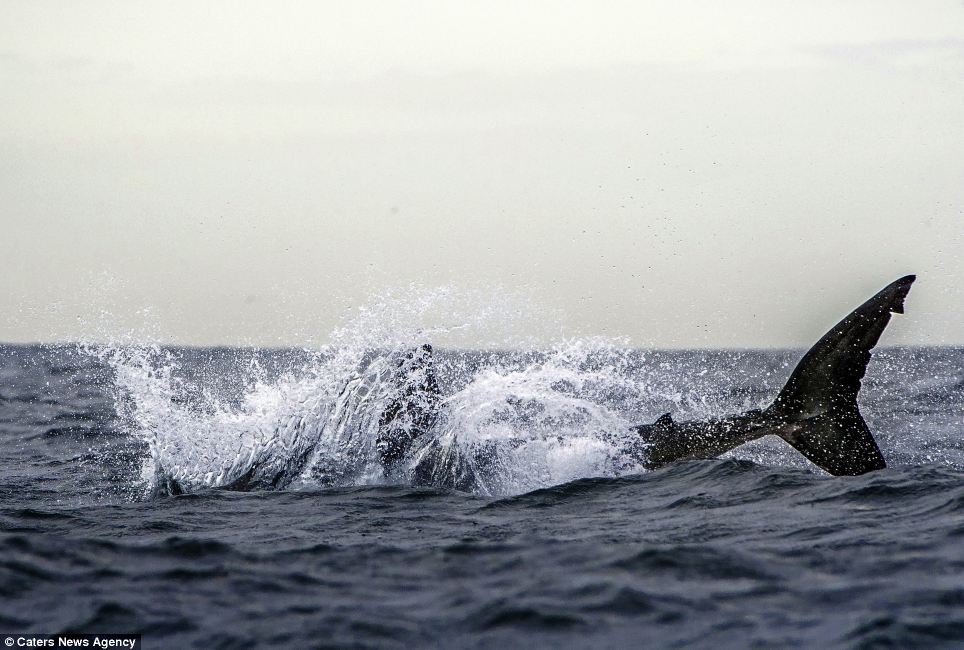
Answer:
[(818, 404)]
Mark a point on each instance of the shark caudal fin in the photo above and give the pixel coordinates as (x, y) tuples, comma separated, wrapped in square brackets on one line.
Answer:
[(818, 405)]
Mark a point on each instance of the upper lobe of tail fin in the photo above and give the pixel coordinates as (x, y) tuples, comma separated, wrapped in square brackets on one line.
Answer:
[(819, 401)]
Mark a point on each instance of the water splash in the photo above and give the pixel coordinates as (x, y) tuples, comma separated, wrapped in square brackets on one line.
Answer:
[(545, 421), (536, 419)]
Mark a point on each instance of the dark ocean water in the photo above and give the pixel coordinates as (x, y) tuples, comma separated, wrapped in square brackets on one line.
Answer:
[(758, 549)]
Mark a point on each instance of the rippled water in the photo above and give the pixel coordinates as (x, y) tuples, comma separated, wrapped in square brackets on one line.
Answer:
[(562, 543)]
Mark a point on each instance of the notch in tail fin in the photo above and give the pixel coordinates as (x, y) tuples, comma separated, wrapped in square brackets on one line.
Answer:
[(818, 404)]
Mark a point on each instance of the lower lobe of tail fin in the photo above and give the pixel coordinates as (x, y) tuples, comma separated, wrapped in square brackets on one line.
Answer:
[(837, 442), (819, 401)]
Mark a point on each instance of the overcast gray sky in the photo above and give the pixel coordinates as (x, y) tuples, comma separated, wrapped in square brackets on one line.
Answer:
[(683, 173)]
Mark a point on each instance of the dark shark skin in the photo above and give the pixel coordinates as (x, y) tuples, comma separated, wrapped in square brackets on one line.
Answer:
[(412, 410), (816, 412)]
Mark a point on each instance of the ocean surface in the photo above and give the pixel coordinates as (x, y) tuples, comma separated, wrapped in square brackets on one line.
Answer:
[(562, 544)]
